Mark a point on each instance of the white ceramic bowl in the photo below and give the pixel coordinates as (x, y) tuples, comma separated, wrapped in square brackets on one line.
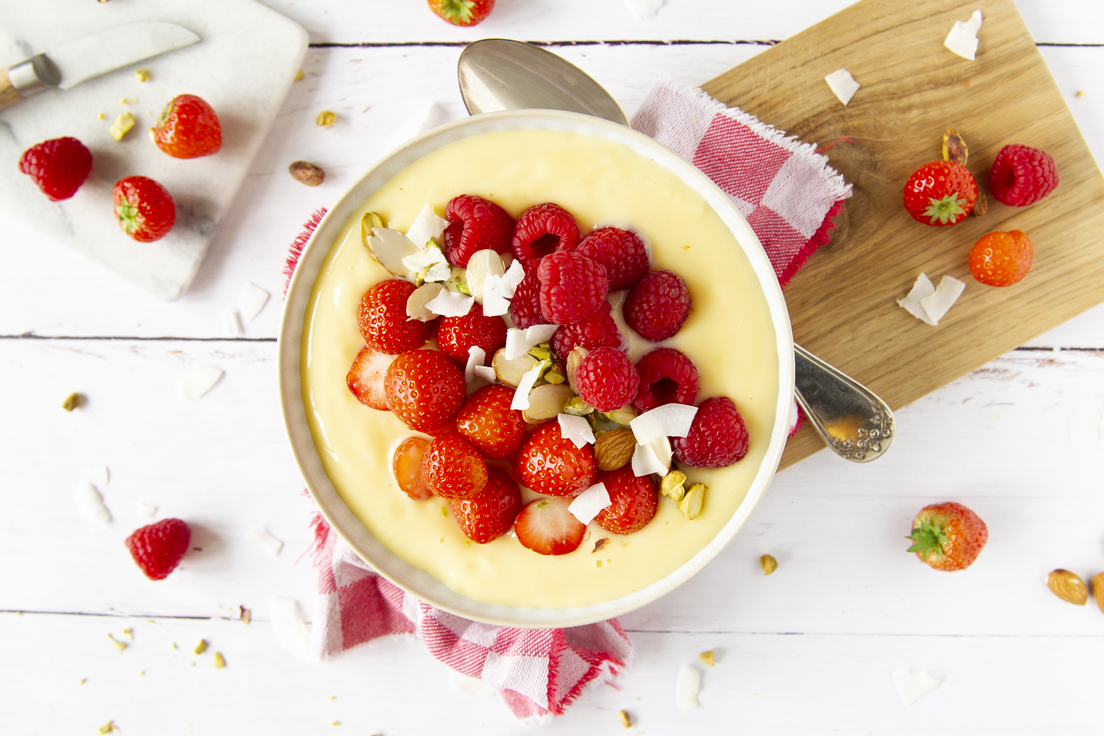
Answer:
[(337, 513)]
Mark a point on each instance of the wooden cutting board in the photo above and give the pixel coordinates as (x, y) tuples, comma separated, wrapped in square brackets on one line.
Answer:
[(843, 303)]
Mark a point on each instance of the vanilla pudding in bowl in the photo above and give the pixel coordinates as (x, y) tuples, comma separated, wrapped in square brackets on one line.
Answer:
[(737, 335)]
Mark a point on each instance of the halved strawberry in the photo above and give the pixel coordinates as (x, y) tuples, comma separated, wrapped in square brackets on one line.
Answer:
[(424, 388), (552, 465), (406, 464), (452, 468), (365, 377), (488, 422), (633, 500), (490, 513), (548, 528)]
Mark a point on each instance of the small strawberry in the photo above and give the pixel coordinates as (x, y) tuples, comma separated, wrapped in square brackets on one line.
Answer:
[(406, 465), (633, 500), (543, 229), (607, 379), (525, 308), (487, 421), (554, 466), (452, 468), (58, 166), (547, 527), (666, 376), (718, 436), (948, 536), (158, 548), (424, 388), (622, 252), (572, 287), (475, 329), (475, 223), (657, 305), (462, 12), (144, 208), (188, 128), (1001, 259), (1022, 175), (594, 331), (489, 514), (940, 193), (365, 377), (383, 320)]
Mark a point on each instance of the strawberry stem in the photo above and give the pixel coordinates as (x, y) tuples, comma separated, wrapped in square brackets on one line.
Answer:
[(947, 209), (929, 538)]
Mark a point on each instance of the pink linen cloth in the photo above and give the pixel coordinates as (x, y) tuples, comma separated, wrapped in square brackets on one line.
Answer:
[(789, 194)]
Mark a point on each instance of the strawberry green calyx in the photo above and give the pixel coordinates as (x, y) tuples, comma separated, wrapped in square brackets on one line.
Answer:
[(128, 216), (930, 538), (458, 12), (947, 210)]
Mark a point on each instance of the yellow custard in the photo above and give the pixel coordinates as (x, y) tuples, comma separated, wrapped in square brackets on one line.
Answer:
[(729, 336)]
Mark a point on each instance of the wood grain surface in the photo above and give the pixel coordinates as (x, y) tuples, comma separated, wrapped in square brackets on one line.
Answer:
[(843, 303)]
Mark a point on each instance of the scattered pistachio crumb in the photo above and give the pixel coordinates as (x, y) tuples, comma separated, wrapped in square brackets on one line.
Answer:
[(769, 564), (110, 725), (122, 124), (299, 75), (686, 247), (333, 697), (72, 401), (625, 720), (129, 633), (691, 503), (1080, 93), (325, 119), (336, 723), (444, 511), (707, 657), (100, 116), (246, 615), (83, 680), (142, 75), (219, 661), (141, 673), (174, 646), (201, 647), (672, 485), (120, 645), (599, 544)]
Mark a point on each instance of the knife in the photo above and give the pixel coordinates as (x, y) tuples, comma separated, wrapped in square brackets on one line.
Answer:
[(78, 61)]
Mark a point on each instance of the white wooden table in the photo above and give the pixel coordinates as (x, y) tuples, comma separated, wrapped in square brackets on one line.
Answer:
[(811, 649)]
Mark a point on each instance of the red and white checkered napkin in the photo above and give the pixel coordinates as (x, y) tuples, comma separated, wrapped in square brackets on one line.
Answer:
[(538, 672), (789, 194), (785, 189)]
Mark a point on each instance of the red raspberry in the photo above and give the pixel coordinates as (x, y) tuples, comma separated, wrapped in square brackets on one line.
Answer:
[(543, 229), (490, 513), (667, 376), (452, 468), (718, 436), (487, 421), (425, 389), (657, 306), (158, 548), (572, 287), (633, 500), (551, 465), (456, 334), (474, 224), (58, 166), (383, 321), (622, 252), (607, 379), (1021, 175), (525, 308), (596, 331)]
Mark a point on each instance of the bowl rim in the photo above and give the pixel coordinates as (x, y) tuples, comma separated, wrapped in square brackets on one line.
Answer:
[(333, 509)]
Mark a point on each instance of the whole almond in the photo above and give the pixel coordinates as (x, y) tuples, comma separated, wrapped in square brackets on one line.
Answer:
[(1068, 586), (614, 449), (1098, 590)]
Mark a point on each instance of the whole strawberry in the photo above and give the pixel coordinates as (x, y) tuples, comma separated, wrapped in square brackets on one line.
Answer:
[(188, 128), (487, 421), (554, 466), (1001, 259), (489, 514), (948, 536), (452, 468), (462, 12), (940, 193), (633, 500), (58, 166), (144, 208), (383, 320), (158, 548), (455, 335), (424, 388)]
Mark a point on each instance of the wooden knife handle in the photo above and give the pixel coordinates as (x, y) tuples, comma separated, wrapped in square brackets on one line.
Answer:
[(8, 94)]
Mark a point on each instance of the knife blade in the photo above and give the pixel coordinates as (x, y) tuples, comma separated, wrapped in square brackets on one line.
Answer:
[(78, 61)]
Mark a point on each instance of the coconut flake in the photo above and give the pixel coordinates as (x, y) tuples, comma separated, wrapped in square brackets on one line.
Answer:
[(91, 504), (590, 502), (645, 8), (914, 684), (476, 357), (486, 373), (450, 304), (921, 289), (267, 542), (426, 226), (645, 461), (525, 385), (946, 294), (231, 323), (669, 420), (291, 629), (842, 84), (962, 38), (99, 476), (577, 429), (519, 341), (498, 290), (251, 300), (686, 687), (429, 264), (201, 380), (145, 510)]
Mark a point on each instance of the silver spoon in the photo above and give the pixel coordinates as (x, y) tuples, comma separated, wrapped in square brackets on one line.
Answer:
[(498, 74)]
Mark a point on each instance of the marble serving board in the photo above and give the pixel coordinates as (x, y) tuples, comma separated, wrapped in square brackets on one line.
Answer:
[(244, 66)]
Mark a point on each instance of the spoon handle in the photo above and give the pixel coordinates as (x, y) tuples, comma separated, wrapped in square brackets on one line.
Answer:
[(849, 417)]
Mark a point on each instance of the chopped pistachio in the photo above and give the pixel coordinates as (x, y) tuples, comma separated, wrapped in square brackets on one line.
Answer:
[(219, 661), (72, 401), (368, 221), (299, 75), (576, 406), (122, 124), (599, 545), (673, 486), (129, 633), (110, 725), (622, 416), (120, 645), (142, 75), (707, 657), (462, 287), (691, 503), (541, 353), (625, 720), (325, 119), (554, 376), (201, 647), (245, 614), (769, 564)]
